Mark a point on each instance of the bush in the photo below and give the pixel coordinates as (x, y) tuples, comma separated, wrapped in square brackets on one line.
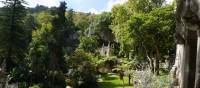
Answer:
[(82, 73), (55, 79), (145, 79), (88, 75)]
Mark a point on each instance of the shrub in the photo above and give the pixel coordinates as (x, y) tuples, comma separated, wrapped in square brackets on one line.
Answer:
[(145, 79), (82, 72)]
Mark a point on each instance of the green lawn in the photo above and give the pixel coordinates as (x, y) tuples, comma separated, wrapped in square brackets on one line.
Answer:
[(113, 81)]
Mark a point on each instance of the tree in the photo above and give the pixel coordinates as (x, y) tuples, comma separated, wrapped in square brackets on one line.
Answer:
[(152, 34), (57, 34), (101, 28), (81, 72), (81, 21), (39, 55), (71, 36), (88, 44), (121, 15), (61, 44), (144, 6), (38, 8), (141, 26), (13, 35)]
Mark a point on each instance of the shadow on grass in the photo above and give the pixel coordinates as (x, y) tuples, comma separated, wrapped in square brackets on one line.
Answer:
[(109, 85), (110, 78)]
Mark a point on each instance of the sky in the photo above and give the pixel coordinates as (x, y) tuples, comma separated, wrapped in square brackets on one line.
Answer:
[(93, 6)]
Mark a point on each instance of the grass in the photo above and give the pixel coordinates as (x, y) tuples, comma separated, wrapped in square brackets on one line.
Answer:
[(113, 81)]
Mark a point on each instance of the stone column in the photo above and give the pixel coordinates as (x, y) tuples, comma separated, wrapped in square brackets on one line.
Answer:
[(184, 68), (197, 78), (176, 69), (189, 60)]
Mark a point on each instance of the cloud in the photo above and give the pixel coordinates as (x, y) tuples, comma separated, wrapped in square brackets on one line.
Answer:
[(1, 4), (93, 10), (169, 1), (111, 3), (33, 3), (108, 7), (49, 3)]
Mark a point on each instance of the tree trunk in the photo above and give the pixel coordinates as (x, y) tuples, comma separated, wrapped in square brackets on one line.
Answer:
[(151, 64), (129, 80), (156, 66), (123, 83), (156, 63)]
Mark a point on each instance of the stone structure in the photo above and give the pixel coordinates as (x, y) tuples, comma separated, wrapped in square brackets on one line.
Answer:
[(107, 50), (186, 71)]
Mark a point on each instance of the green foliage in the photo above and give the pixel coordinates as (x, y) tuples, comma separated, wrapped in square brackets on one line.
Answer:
[(47, 48), (81, 70), (144, 6), (119, 26), (57, 34), (43, 19), (153, 34), (14, 38), (38, 49), (39, 54), (43, 47), (88, 44), (144, 28), (104, 61), (122, 28), (155, 28), (103, 21), (101, 27), (81, 20)]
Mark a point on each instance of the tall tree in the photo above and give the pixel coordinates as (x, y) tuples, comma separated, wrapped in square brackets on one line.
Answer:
[(153, 34), (13, 35), (58, 34), (121, 15), (81, 20), (70, 33)]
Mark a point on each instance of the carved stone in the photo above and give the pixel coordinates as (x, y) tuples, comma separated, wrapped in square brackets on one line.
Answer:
[(186, 71)]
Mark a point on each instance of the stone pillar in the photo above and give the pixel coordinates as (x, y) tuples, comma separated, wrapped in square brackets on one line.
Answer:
[(197, 80), (192, 58), (176, 70), (108, 50), (184, 68), (188, 67)]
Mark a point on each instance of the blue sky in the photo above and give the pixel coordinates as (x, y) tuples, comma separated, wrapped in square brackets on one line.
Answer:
[(94, 6)]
